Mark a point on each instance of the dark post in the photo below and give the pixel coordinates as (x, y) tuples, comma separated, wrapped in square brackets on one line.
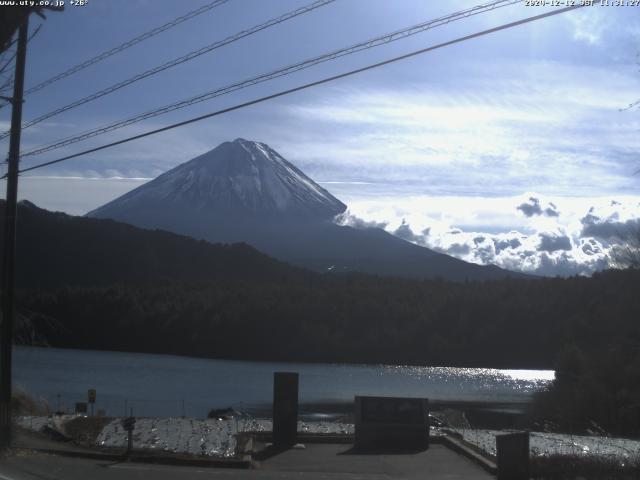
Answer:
[(129, 441), (91, 397), (8, 257), (129, 423), (285, 409), (512, 451)]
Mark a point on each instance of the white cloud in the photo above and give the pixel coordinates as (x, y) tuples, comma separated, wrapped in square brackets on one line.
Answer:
[(73, 195), (589, 25), (543, 126), (540, 244), (605, 26)]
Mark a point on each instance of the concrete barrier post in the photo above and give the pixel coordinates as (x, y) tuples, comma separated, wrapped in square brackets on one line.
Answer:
[(512, 451), (285, 409), (391, 423)]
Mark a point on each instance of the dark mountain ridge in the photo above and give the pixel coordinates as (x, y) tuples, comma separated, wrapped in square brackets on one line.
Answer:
[(55, 249)]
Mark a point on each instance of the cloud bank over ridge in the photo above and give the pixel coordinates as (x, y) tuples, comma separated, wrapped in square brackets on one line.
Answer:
[(554, 236)]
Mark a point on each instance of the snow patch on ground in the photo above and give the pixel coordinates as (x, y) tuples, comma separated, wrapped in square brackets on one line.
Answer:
[(208, 437), (34, 423), (542, 444), (217, 437), (177, 435)]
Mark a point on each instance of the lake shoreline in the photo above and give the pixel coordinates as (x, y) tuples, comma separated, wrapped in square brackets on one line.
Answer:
[(164, 386), (249, 359)]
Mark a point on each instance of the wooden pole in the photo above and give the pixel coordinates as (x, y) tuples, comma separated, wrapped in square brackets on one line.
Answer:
[(9, 250)]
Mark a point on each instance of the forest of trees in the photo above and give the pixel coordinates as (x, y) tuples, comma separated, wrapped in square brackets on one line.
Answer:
[(348, 318)]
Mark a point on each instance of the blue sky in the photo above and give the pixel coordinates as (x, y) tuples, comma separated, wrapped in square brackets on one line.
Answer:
[(441, 149)]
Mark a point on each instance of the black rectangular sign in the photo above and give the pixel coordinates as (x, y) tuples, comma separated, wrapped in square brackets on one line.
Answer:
[(391, 423)]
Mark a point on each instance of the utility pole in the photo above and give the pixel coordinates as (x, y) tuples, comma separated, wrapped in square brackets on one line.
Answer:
[(8, 257)]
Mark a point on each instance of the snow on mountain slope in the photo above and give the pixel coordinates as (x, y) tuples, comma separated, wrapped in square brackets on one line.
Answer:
[(236, 179)]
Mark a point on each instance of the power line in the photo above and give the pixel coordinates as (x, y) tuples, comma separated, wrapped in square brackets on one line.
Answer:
[(125, 45), (308, 85), (9, 82), (632, 105), (368, 44), (177, 61), (7, 62), (13, 55)]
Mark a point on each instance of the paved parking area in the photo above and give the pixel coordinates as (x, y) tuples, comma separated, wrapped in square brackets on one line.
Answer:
[(438, 462), (315, 462)]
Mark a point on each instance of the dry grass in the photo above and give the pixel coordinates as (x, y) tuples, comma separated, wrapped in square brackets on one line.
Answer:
[(85, 430), (24, 404)]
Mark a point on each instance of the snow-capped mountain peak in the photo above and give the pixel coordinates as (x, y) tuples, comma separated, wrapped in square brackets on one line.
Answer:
[(245, 191), (234, 180)]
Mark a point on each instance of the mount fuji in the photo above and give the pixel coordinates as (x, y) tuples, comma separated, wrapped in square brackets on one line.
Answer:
[(244, 191)]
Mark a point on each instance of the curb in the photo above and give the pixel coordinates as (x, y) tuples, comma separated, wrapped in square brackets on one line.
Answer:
[(308, 437), (242, 463), (459, 447)]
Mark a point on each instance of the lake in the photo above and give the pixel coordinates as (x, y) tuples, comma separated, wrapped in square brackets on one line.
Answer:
[(166, 385)]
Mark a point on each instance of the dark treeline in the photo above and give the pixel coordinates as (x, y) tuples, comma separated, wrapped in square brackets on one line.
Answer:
[(349, 318), (595, 390)]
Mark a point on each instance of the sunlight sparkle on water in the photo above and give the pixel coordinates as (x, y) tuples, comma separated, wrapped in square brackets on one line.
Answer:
[(530, 375)]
